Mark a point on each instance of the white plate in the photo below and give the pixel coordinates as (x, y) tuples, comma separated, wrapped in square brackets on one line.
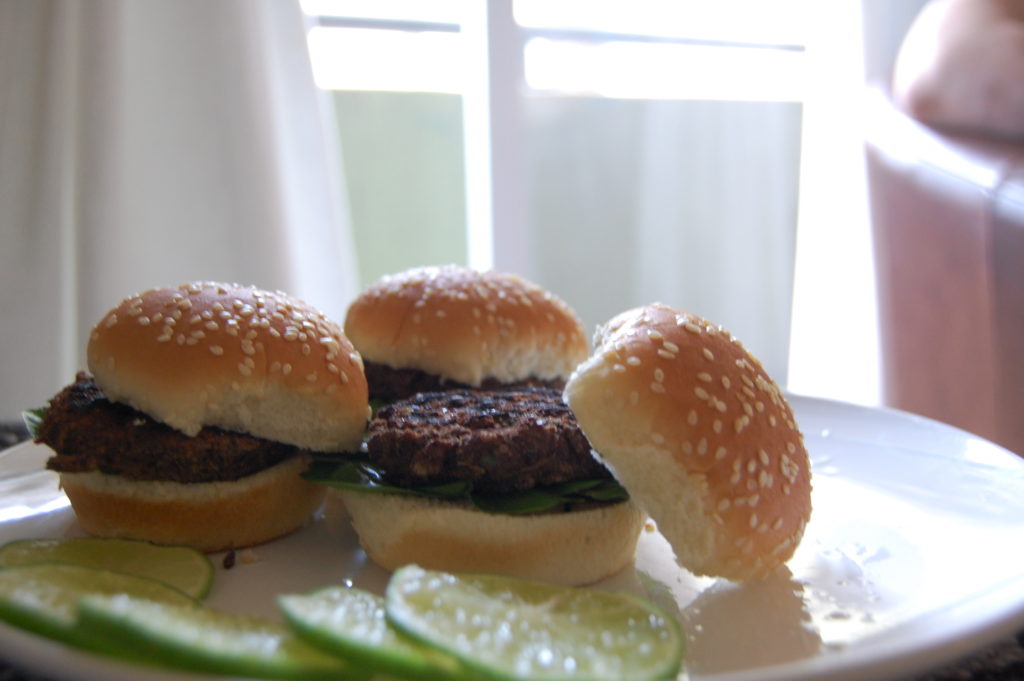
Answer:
[(914, 556)]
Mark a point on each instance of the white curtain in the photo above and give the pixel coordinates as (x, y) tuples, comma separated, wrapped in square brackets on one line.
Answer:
[(149, 142)]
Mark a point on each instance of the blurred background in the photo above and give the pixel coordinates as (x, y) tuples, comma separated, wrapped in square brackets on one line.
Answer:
[(705, 155)]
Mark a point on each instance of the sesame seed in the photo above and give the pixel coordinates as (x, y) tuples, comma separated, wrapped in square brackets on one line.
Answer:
[(671, 347), (618, 368), (657, 387), (705, 376), (753, 520), (244, 369), (633, 361), (665, 353), (763, 456), (659, 375), (721, 453), (691, 418), (286, 368), (687, 447), (143, 321), (691, 327), (726, 383), (702, 446), (717, 426), (311, 377), (708, 354), (111, 321), (701, 393)]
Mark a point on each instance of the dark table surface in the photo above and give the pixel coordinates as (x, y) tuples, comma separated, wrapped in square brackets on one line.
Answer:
[(1003, 661)]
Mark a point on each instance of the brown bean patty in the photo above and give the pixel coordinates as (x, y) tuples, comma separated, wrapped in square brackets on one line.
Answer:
[(501, 441), (88, 432), (388, 383)]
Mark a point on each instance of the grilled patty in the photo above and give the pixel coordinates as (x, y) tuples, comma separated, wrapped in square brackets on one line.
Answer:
[(388, 384), (89, 432), (501, 441)]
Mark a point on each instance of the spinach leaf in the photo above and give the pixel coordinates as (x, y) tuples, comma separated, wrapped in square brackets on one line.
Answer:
[(355, 473), (33, 418)]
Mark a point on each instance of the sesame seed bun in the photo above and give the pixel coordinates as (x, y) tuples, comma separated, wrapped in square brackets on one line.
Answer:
[(210, 516), (700, 435), (572, 548), (239, 358), (466, 326)]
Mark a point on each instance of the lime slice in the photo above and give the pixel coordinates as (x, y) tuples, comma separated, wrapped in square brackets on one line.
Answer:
[(508, 628), (203, 640), (44, 598), (352, 623), (184, 568)]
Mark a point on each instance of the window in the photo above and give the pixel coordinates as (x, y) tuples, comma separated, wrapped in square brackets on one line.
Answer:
[(554, 137), (729, 49)]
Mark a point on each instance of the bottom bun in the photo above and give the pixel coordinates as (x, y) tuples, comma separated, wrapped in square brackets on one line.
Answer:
[(573, 548), (210, 516)]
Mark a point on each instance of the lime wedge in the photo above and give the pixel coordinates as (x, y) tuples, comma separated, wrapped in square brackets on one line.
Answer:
[(184, 568), (352, 623), (44, 598), (204, 640), (508, 628)]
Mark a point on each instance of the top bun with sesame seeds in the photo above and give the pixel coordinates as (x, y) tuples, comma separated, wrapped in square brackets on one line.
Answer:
[(700, 435), (433, 328), (234, 357)]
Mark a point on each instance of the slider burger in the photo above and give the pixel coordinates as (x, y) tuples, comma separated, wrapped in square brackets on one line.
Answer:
[(439, 328), (702, 438), (199, 412), (477, 464)]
